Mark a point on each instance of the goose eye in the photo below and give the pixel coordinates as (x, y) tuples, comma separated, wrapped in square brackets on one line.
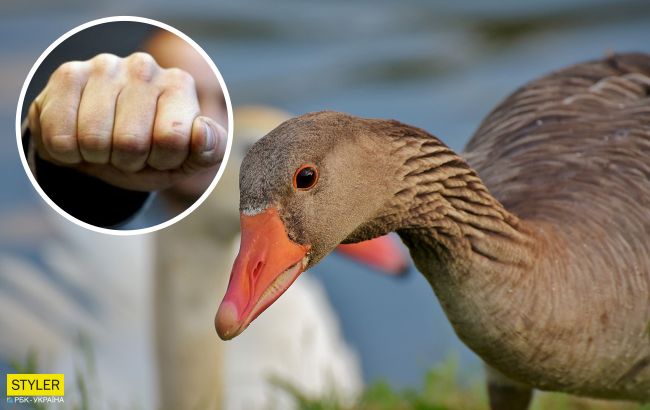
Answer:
[(305, 177)]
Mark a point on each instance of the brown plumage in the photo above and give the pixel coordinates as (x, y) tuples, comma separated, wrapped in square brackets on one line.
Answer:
[(536, 241)]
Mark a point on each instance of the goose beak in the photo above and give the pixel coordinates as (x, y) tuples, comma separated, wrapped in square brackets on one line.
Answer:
[(382, 253), (267, 264)]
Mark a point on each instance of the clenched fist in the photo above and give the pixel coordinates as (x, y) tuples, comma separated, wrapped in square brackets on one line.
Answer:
[(126, 121)]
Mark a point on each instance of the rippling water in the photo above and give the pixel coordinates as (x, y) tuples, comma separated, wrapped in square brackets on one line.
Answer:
[(438, 65)]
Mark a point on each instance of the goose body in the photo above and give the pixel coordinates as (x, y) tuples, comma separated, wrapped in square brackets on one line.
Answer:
[(535, 240), (569, 155)]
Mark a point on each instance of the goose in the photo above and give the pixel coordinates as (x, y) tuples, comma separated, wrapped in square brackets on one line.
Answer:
[(140, 305), (306, 348), (534, 240), (303, 342)]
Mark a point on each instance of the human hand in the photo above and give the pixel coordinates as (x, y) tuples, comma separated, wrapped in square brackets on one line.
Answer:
[(126, 121)]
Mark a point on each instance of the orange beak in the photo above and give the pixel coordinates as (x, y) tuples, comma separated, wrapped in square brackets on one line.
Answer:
[(382, 253), (267, 264)]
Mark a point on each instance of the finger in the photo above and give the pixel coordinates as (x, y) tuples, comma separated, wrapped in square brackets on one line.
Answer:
[(134, 116), (147, 180), (207, 147), (97, 109), (34, 124), (177, 108), (58, 112)]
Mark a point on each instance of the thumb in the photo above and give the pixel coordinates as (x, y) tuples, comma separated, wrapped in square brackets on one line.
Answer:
[(207, 146)]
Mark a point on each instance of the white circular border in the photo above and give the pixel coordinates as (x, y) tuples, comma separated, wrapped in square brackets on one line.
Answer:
[(178, 217)]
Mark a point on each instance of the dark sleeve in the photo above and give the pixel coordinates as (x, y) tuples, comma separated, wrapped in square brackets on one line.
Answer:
[(88, 199)]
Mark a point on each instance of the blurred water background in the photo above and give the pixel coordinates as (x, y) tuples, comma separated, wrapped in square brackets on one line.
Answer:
[(439, 65)]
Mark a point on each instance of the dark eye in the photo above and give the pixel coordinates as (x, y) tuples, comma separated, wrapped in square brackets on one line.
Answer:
[(305, 177)]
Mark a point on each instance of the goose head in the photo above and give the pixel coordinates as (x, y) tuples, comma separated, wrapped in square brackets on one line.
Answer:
[(310, 184)]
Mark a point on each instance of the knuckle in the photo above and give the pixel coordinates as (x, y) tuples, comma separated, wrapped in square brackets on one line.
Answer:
[(70, 72), (104, 64), (37, 104), (93, 142), (142, 66), (142, 59), (58, 118), (172, 139), (201, 162), (175, 77), (34, 112), (60, 144), (126, 165), (133, 145)]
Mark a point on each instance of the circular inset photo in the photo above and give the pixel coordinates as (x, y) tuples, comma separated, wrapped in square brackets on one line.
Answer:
[(124, 125)]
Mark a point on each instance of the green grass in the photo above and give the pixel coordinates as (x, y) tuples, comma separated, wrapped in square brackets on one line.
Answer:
[(441, 390), (85, 377), (28, 366)]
